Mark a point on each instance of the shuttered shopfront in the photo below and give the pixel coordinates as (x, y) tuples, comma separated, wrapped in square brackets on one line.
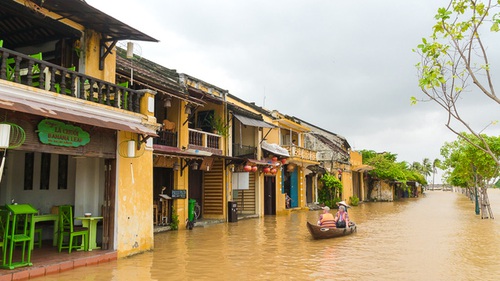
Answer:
[(213, 190), (246, 197)]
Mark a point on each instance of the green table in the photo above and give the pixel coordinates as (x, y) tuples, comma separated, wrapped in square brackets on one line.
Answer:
[(48, 217), (91, 224)]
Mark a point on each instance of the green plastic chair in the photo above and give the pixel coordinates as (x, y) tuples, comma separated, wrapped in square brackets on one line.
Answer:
[(10, 68), (35, 71), (124, 102), (66, 228), (39, 233), (67, 91)]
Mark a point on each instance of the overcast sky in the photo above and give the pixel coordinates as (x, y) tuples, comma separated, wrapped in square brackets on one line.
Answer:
[(345, 66)]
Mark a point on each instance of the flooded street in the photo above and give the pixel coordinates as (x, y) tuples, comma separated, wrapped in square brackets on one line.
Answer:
[(437, 237)]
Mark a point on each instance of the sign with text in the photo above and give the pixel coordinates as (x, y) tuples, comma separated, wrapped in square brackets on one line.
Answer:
[(178, 194), (58, 133)]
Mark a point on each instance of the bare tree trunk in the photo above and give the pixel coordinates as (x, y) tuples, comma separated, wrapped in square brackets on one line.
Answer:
[(469, 193), (433, 175), (485, 204)]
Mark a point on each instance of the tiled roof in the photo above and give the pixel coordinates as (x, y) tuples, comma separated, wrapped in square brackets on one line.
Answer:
[(148, 73)]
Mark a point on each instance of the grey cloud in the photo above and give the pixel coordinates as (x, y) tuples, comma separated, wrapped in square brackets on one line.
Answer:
[(346, 66)]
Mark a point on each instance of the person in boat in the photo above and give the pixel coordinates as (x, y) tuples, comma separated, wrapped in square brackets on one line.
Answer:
[(341, 217), (326, 219)]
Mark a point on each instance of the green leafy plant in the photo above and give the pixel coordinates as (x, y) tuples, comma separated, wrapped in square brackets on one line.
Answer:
[(174, 223), (354, 200), (329, 191), (468, 166), (387, 168), (456, 62), (218, 125)]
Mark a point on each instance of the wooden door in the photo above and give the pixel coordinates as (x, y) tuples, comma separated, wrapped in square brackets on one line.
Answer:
[(108, 208), (195, 190), (269, 195)]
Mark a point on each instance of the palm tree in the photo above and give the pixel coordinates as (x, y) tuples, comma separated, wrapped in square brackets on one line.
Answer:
[(416, 166), (426, 167), (435, 164)]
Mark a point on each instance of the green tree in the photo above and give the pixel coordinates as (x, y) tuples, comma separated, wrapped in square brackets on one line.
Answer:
[(454, 63), (416, 166), (387, 168), (469, 167), (435, 164), (331, 189), (426, 167)]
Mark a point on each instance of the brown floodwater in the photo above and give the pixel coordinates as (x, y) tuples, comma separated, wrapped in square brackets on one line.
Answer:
[(436, 237)]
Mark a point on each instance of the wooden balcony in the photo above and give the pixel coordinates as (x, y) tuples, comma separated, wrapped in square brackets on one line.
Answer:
[(206, 141), (301, 152), (166, 138), (27, 70)]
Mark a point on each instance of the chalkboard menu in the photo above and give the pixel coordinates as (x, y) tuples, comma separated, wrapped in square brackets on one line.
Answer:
[(178, 194)]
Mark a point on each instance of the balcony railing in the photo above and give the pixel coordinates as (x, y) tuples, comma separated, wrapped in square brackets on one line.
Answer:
[(301, 152), (244, 150), (27, 70), (204, 139), (166, 138)]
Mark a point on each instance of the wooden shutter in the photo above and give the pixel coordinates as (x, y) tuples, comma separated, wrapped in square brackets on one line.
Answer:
[(213, 199)]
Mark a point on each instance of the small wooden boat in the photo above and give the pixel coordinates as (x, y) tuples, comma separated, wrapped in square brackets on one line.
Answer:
[(320, 232)]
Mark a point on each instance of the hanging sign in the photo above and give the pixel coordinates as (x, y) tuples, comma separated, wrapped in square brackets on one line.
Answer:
[(178, 193), (55, 132)]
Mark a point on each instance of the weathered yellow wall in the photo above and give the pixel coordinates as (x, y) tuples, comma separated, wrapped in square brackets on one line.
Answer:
[(382, 191), (134, 193), (181, 182), (134, 203), (92, 41), (181, 205), (356, 158), (273, 136), (347, 184), (173, 114)]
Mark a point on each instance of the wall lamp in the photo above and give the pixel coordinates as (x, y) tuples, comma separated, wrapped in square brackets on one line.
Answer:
[(194, 166), (187, 109), (167, 102), (176, 166), (188, 162)]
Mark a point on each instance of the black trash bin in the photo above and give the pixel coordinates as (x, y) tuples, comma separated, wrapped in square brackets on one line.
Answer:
[(232, 209)]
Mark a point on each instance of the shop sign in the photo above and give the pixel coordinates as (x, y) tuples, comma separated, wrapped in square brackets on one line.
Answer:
[(179, 194), (55, 132)]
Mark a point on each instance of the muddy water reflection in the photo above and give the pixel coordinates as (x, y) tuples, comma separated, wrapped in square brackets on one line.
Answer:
[(433, 238)]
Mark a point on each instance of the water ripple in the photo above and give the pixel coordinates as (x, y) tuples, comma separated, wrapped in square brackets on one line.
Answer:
[(433, 238)]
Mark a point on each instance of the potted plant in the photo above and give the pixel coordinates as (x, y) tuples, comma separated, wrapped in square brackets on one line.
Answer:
[(219, 126)]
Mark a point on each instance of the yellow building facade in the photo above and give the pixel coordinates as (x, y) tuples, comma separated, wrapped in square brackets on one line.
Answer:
[(68, 81)]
